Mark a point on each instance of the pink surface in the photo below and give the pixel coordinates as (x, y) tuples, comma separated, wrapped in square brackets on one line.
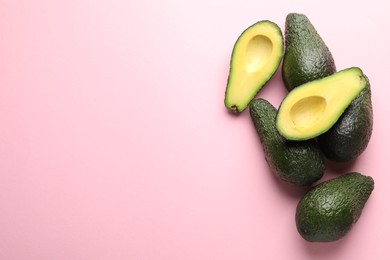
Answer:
[(115, 144)]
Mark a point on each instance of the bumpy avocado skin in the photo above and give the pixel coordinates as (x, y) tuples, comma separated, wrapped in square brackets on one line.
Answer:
[(306, 57), (299, 163), (350, 136), (327, 212)]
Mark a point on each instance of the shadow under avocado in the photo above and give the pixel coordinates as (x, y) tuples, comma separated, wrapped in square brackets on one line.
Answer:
[(286, 188), (339, 167), (325, 249)]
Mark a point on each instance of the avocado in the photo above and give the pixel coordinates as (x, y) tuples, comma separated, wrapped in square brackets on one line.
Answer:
[(327, 212), (306, 57), (314, 107), (349, 137), (256, 56), (298, 163)]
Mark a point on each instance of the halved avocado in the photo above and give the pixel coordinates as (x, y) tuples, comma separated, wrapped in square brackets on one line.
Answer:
[(314, 107), (256, 56)]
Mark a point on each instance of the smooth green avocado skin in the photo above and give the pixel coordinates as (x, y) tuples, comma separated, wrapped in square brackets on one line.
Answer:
[(306, 57), (327, 212), (299, 163), (350, 136)]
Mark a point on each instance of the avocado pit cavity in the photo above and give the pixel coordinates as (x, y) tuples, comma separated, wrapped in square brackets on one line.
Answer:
[(258, 52), (308, 111)]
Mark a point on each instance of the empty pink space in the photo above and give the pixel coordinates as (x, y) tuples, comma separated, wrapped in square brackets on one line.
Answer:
[(115, 142)]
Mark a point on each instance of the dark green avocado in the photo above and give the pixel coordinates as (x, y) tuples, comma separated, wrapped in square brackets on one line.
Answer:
[(349, 137), (306, 57), (327, 212), (297, 162)]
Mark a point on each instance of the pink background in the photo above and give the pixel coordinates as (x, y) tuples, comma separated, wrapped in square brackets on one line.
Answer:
[(115, 143)]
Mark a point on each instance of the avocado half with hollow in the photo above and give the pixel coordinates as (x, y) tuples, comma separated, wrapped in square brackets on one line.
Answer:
[(314, 107), (256, 56)]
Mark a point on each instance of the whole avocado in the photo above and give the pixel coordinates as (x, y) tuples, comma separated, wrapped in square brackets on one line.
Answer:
[(306, 57), (327, 212), (297, 162), (349, 137)]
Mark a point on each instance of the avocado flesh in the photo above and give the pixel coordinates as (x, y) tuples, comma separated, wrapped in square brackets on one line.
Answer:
[(297, 163), (313, 108), (350, 136), (307, 57), (327, 212), (256, 56)]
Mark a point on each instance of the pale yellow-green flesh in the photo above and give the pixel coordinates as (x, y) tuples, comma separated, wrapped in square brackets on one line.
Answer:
[(313, 108), (256, 56)]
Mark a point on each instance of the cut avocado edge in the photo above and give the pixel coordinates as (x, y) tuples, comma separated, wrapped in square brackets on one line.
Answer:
[(314, 107), (255, 58)]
